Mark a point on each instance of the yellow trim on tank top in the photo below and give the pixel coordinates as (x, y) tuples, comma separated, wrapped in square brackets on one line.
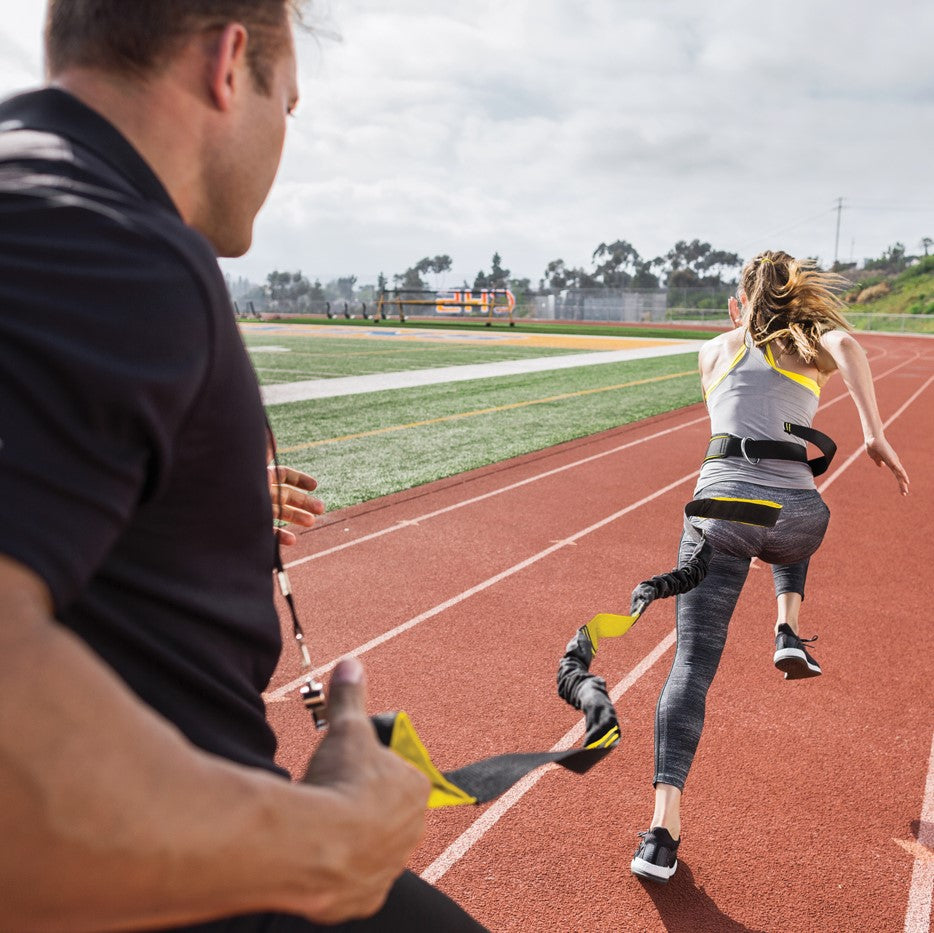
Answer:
[(740, 354), (805, 381)]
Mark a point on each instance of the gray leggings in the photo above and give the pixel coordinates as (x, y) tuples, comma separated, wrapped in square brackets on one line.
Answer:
[(703, 614)]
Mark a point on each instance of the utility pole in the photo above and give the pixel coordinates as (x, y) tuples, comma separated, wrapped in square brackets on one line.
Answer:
[(836, 246)]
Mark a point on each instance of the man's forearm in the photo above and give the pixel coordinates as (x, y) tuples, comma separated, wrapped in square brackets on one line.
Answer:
[(111, 819)]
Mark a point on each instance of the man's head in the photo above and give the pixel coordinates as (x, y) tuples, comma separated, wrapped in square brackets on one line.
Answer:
[(139, 36), (211, 83)]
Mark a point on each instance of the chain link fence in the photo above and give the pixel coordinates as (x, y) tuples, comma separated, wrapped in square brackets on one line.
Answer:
[(702, 306)]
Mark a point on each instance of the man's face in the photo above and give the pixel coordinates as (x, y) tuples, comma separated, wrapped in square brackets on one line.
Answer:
[(245, 165)]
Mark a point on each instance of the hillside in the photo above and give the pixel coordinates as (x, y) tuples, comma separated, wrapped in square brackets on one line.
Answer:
[(909, 292)]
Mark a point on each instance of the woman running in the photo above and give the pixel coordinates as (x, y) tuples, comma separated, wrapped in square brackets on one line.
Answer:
[(761, 382)]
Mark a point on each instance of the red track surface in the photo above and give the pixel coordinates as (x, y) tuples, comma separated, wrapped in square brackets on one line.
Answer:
[(803, 811)]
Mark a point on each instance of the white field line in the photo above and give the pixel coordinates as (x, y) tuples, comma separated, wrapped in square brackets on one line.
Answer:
[(490, 817), (278, 693), (398, 526), (918, 914), (460, 846), (309, 389)]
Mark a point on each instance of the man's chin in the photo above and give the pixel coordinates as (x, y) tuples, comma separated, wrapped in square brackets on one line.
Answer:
[(233, 250), (226, 245)]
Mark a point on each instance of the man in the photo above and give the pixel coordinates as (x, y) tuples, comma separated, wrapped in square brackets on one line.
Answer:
[(137, 628)]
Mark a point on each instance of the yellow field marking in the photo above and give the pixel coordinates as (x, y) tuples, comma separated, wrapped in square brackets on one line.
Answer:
[(484, 411), (446, 336), (342, 354)]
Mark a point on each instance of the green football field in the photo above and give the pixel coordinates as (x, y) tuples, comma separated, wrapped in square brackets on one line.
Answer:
[(363, 446)]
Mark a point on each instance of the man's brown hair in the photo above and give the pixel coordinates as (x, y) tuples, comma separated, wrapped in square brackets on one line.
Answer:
[(135, 37)]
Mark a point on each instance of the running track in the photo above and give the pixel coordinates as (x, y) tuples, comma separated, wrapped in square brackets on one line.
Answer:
[(810, 806)]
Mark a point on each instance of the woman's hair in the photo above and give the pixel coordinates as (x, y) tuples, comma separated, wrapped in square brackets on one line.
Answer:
[(791, 299), (135, 37)]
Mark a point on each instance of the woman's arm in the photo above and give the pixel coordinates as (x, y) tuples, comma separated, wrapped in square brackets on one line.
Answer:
[(851, 361)]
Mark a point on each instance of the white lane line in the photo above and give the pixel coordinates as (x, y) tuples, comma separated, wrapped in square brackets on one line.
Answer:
[(490, 817), (398, 526), (918, 914), (279, 692), (457, 849), (860, 450)]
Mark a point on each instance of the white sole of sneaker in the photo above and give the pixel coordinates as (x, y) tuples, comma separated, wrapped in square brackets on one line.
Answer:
[(642, 868), (795, 664)]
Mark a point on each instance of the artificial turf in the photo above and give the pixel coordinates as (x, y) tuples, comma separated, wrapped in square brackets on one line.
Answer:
[(360, 447)]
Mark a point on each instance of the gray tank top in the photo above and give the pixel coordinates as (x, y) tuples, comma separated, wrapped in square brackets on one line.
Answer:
[(754, 398)]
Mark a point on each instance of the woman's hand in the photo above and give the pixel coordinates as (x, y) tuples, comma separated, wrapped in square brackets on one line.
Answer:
[(881, 451)]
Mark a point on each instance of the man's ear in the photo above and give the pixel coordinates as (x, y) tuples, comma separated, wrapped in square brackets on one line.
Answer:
[(227, 65)]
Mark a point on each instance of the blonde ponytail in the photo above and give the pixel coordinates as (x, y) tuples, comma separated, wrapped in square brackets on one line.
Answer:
[(792, 300)]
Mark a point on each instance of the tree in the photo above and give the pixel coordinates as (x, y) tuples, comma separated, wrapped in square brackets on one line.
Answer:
[(926, 243), (411, 279), (345, 287), (481, 281), (286, 287), (696, 263), (559, 277), (619, 262), (892, 259), (499, 277), (520, 288)]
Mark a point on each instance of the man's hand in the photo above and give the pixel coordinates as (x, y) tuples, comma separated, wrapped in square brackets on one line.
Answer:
[(383, 799), (291, 503)]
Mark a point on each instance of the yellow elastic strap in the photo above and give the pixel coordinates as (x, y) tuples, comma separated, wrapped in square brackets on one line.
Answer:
[(606, 741), (405, 742), (607, 625), (768, 502)]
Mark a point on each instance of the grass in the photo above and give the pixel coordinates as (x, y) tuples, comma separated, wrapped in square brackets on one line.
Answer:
[(912, 293), (364, 446)]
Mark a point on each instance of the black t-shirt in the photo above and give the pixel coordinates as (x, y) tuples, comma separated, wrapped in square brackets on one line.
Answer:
[(132, 465)]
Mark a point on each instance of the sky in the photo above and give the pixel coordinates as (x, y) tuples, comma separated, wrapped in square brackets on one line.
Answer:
[(539, 129)]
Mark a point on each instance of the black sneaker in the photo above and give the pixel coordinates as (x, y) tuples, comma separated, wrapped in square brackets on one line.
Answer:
[(791, 656), (655, 858)]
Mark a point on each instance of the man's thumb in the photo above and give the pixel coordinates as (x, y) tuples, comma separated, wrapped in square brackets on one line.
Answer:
[(347, 690)]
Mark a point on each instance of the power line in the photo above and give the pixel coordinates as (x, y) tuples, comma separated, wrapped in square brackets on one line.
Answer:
[(792, 226)]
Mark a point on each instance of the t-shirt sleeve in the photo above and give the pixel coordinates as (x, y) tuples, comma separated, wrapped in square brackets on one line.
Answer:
[(104, 346)]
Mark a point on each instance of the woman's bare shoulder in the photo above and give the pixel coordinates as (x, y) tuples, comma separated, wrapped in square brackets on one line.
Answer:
[(716, 354)]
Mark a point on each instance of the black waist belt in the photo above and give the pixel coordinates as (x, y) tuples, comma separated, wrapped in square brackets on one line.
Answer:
[(752, 451)]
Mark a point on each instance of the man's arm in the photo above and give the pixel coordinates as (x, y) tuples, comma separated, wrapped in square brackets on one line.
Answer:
[(112, 820), (850, 360)]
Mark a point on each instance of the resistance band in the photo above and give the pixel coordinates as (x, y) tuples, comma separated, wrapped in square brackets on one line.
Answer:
[(587, 692), (486, 779)]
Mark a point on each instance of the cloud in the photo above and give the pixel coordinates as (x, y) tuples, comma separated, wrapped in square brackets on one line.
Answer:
[(539, 129)]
